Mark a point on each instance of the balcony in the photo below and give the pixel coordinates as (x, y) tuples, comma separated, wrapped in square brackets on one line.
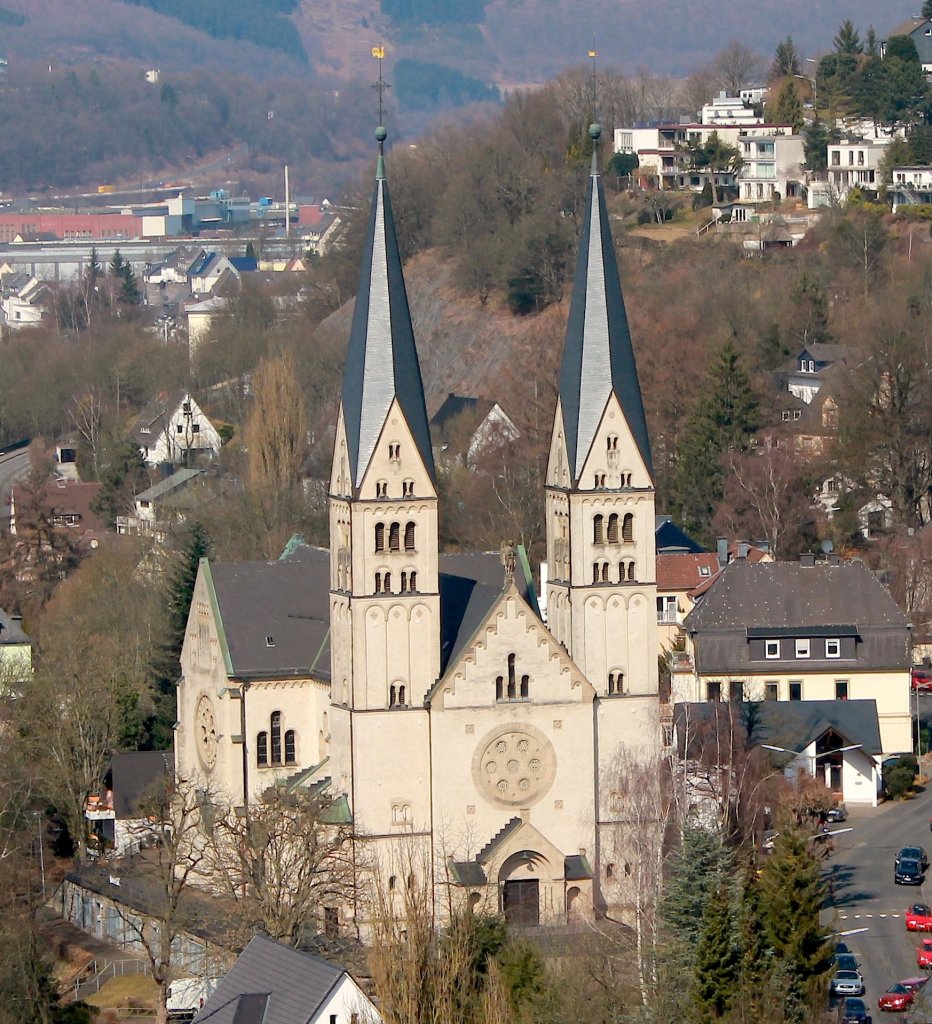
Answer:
[(99, 808), (668, 618), (680, 661)]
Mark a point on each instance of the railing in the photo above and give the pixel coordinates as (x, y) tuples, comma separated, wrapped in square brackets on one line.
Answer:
[(96, 974), (705, 227), (668, 619)]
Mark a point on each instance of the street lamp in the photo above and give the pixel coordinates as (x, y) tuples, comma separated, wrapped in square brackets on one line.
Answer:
[(815, 92)]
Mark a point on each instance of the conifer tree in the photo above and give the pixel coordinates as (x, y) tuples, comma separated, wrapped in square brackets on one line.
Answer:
[(848, 39), (722, 421), (788, 108), (927, 9), (129, 287), (715, 977), (785, 60), (697, 868), (791, 896), (871, 45)]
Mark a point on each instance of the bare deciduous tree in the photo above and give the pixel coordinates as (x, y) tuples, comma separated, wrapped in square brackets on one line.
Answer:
[(288, 861), (736, 67)]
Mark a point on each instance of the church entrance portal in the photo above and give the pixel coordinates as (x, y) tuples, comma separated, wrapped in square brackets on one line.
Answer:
[(521, 901)]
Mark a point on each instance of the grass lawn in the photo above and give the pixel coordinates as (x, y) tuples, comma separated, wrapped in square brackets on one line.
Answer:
[(125, 990)]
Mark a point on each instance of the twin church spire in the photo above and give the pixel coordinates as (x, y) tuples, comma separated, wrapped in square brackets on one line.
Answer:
[(598, 358), (381, 361)]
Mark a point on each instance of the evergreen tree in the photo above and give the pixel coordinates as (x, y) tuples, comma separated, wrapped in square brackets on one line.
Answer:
[(788, 108), (817, 136), (810, 304), (717, 960), (927, 9), (791, 896), (785, 60), (871, 44), (697, 869), (117, 263), (194, 545), (725, 416), (848, 39), (122, 477), (129, 286), (93, 271)]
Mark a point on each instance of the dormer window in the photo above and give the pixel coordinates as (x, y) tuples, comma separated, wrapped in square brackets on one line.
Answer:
[(771, 649), (270, 641), (833, 648), (802, 648)]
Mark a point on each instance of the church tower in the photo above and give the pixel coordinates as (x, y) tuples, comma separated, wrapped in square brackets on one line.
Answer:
[(385, 604), (601, 596)]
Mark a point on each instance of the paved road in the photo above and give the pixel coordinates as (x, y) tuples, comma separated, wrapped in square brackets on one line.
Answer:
[(12, 468), (866, 897)]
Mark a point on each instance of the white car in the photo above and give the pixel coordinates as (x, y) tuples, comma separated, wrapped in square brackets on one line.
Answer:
[(847, 983)]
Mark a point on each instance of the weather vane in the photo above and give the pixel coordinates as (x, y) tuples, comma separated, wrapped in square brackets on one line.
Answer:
[(381, 85)]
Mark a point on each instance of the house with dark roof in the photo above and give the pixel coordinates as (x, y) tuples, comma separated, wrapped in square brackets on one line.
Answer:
[(919, 30), (464, 428), (160, 506), (118, 816), (837, 742), (15, 654), (272, 983), (69, 504), (174, 429), (800, 631)]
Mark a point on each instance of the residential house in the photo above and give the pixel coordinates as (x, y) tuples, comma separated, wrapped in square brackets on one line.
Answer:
[(319, 226), (855, 163), (25, 300), (201, 316), (800, 631), (15, 653), (911, 186), (773, 166), (918, 29), (837, 742), (465, 428), (212, 270), (156, 508), (68, 504), (175, 268), (816, 363), (272, 983), (120, 817), (173, 428), (728, 110), (670, 538)]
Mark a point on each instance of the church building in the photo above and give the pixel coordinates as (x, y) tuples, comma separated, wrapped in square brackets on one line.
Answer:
[(474, 744)]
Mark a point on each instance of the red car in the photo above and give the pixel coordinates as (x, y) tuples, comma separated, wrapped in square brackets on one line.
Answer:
[(919, 918), (924, 954), (921, 679), (901, 994)]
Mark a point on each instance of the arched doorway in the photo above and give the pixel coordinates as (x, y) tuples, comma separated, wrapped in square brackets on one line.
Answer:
[(519, 879), (573, 904)]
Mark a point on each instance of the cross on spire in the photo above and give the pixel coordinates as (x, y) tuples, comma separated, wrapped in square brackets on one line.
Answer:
[(381, 86)]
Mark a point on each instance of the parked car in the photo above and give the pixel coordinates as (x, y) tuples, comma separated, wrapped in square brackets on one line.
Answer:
[(919, 917), (846, 962), (839, 813), (855, 1012), (901, 994), (921, 680), (847, 983), (841, 947), (914, 853), (908, 872), (924, 954)]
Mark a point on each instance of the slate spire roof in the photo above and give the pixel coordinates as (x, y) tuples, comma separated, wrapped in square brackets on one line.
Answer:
[(597, 356), (381, 361)]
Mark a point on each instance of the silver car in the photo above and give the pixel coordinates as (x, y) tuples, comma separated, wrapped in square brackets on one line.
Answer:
[(847, 983)]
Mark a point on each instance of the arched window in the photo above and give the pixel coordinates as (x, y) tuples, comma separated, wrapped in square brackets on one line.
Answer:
[(289, 747), (611, 442), (609, 870), (407, 489), (380, 536), (595, 572), (401, 696), (525, 686), (412, 581), (262, 748), (412, 882), (597, 537), (394, 537), (631, 572), (605, 572), (616, 682), (404, 582), (627, 528), (378, 583), (512, 682), (276, 729), (387, 583), (499, 687), (613, 528), (392, 696), (392, 882), (409, 537), (381, 488)]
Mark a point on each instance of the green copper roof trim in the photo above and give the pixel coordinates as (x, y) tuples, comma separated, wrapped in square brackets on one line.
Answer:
[(525, 565), (295, 541), (215, 607), (320, 650)]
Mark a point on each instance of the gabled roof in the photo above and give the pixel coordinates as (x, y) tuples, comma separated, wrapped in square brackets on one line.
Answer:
[(381, 360), (454, 405), (136, 775), (683, 571), (244, 264), (285, 601), (180, 478), (795, 596), (11, 630), (284, 985), (598, 358), (790, 724), (67, 498), (670, 538), (906, 28)]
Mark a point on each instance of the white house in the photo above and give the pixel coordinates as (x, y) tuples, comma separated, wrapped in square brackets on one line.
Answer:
[(173, 428), (151, 507), (773, 163), (15, 653), (119, 817), (25, 301), (273, 983), (855, 163), (728, 110), (911, 186), (201, 316)]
